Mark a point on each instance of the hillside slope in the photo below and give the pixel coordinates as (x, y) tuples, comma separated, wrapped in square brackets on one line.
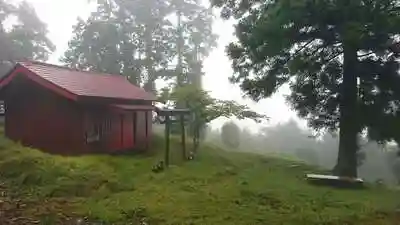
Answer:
[(218, 187)]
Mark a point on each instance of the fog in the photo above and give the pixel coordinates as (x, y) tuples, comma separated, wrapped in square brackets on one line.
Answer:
[(376, 162)]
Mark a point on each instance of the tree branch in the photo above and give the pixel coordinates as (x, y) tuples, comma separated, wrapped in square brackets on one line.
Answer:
[(303, 47), (334, 57), (366, 54), (298, 51)]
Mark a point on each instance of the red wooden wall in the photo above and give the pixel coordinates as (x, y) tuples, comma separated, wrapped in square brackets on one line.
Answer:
[(42, 119), (144, 129), (127, 131), (127, 125), (39, 118)]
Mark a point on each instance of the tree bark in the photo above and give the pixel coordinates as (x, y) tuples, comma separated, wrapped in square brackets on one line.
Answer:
[(180, 77), (348, 146), (149, 86)]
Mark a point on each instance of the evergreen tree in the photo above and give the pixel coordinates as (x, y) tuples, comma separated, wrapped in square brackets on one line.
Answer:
[(230, 135), (123, 37), (140, 39), (195, 39), (337, 57), (24, 39)]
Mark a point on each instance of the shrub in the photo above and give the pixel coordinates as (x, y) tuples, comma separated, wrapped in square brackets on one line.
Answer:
[(230, 134)]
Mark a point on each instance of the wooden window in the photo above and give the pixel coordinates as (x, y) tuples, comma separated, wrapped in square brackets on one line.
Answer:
[(134, 119), (93, 134), (98, 129), (122, 129), (146, 115), (2, 108), (107, 125)]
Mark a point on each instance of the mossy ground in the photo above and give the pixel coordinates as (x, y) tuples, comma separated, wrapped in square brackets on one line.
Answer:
[(218, 187)]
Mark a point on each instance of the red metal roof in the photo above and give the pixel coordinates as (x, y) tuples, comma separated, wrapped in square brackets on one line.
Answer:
[(91, 84)]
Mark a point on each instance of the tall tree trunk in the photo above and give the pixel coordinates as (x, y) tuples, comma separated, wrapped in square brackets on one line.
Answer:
[(348, 146), (149, 86), (180, 77), (196, 78)]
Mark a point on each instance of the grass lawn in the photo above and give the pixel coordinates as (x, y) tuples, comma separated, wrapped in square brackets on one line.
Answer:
[(218, 187)]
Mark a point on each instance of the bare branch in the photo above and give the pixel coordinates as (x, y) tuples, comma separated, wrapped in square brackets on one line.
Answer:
[(366, 54), (334, 57)]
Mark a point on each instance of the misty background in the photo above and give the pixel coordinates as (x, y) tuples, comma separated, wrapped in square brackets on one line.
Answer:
[(284, 133), (377, 163)]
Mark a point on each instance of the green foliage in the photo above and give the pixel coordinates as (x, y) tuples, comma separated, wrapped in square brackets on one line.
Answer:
[(230, 134), (25, 39), (207, 108), (321, 49), (204, 108), (114, 40), (301, 42), (228, 187)]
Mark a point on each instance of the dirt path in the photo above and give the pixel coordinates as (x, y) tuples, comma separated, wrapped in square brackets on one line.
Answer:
[(14, 211)]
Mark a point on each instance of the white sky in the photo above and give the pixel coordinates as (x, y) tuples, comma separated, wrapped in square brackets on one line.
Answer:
[(61, 15)]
